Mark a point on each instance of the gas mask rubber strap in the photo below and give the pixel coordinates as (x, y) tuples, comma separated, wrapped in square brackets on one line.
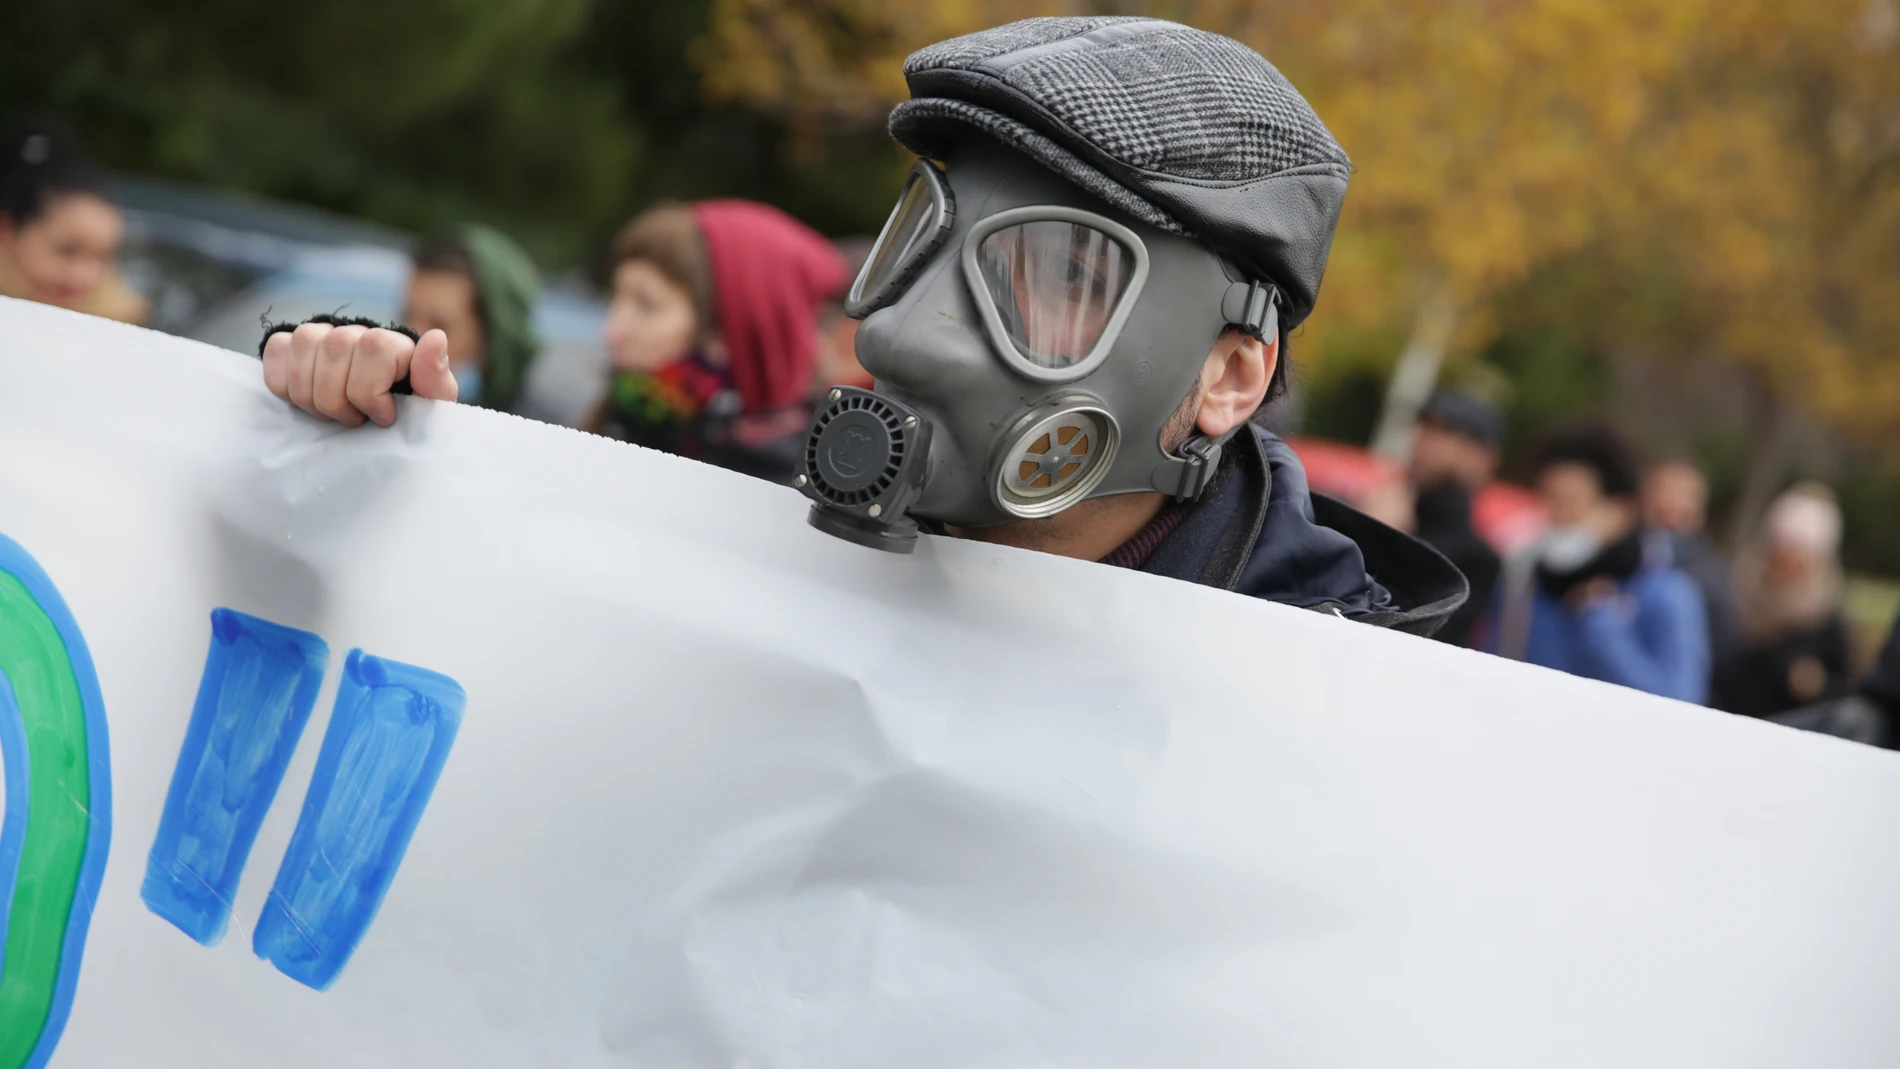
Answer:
[(1253, 307), (1187, 475)]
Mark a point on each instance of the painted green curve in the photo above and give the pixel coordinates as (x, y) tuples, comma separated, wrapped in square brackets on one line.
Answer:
[(46, 689)]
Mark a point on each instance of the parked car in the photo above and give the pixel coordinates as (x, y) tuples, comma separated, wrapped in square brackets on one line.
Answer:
[(215, 264)]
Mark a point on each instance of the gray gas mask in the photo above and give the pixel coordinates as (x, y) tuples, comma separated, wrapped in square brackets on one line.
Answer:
[(1029, 344)]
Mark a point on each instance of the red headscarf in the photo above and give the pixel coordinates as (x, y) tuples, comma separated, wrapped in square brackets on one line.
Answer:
[(770, 274)]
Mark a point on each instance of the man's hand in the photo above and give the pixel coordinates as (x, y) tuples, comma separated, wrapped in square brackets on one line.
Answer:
[(345, 373)]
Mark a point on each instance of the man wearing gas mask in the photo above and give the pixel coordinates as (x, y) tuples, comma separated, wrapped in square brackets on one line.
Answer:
[(1078, 304)]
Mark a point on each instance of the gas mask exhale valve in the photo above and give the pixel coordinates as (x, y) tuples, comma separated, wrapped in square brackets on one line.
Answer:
[(865, 459)]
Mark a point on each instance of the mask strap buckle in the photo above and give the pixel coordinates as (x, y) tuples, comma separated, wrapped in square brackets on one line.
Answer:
[(1187, 476), (1251, 307), (1203, 460)]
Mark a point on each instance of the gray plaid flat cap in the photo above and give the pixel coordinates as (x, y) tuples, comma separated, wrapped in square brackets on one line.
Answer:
[(1186, 130)]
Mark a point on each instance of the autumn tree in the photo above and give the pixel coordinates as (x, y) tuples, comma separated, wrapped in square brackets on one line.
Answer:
[(1768, 210), (1738, 155), (823, 63)]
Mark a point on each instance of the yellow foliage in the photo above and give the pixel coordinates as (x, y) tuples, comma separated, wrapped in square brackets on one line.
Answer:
[(1744, 152), (821, 61)]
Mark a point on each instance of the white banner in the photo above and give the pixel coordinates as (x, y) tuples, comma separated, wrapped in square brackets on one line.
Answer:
[(480, 742)]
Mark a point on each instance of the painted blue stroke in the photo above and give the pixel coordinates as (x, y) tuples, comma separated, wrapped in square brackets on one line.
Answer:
[(382, 754), (13, 765), (259, 685)]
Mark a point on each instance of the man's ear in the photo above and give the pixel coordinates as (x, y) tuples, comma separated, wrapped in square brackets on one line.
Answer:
[(1234, 380)]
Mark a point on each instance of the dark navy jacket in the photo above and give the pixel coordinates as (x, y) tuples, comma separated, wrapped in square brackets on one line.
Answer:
[(1259, 531)]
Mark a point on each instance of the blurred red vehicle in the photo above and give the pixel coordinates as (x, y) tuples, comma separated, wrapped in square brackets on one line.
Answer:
[(1509, 517)]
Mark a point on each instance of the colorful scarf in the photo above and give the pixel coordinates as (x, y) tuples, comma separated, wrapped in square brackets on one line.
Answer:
[(676, 393)]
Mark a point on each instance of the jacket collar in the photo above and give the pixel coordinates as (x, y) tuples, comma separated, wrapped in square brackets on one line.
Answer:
[(1259, 531)]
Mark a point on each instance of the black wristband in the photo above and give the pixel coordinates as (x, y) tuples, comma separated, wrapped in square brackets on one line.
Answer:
[(402, 385)]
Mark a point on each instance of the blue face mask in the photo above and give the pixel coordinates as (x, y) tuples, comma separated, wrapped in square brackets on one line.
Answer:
[(468, 383)]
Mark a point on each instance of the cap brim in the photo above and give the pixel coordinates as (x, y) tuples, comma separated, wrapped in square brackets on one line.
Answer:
[(930, 127)]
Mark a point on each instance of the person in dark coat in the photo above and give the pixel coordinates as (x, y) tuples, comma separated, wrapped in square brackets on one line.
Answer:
[(1454, 453), (1881, 690), (1870, 714), (1793, 648)]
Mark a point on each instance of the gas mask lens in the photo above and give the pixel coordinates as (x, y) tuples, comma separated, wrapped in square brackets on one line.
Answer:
[(1054, 286), (917, 226)]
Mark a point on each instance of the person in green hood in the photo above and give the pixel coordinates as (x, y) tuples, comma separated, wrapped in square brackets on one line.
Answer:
[(479, 288)]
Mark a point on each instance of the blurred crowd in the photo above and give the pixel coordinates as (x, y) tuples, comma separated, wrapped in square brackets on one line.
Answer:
[(722, 317), (724, 322), (1624, 583)]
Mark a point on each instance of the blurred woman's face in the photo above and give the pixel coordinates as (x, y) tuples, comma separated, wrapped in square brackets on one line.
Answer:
[(63, 253), (650, 320)]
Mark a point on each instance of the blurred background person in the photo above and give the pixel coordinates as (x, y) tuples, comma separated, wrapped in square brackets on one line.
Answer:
[(1881, 691), (1871, 713), (478, 287), (837, 360), (713, 333), (1676, 508), (59, 230), (1454, 454), (1588, 602), (1391, 502), (1792, 648)]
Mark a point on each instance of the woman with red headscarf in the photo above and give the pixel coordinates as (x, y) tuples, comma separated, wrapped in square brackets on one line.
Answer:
[(713, 330)]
